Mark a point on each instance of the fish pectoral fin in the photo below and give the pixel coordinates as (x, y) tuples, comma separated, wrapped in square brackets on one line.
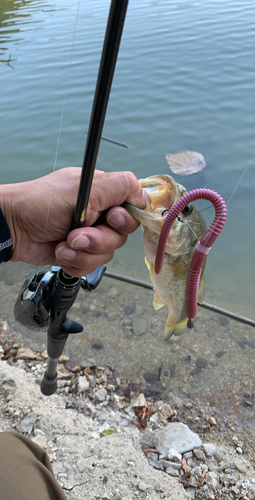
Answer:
[(157, 304), (151, 268), (174, 328), (201, 290)]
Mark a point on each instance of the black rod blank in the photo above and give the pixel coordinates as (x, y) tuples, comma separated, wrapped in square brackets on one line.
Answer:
[(104, 80)]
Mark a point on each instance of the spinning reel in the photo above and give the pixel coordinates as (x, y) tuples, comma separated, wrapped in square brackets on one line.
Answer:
[(42, 304)]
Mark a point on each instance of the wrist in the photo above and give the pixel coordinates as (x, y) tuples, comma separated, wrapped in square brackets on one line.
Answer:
[(7, 222)]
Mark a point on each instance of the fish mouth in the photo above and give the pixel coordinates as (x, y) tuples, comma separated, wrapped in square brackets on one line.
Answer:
[(164, 193), (162, 190)]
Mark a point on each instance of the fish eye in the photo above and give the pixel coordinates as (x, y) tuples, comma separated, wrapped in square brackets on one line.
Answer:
[(188, 209), (165, 212)]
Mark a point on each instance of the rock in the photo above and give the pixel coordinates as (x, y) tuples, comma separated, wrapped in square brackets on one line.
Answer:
[(212, 421), (139, 325), (211, 479), (178, 436), (167, 411), (172, 472), (210, 449), (101, 394), (27, 424), (168, 463), (88, 363), (80, 404), (218, 455), (174, 456), (199, 454), (150, 377), (240, 466), (25, 353), (40, 440), (128, 310), (192, 493), (142, 486), (201, 363), (97, 345), (157, 387), (83, 384), (63, 358)]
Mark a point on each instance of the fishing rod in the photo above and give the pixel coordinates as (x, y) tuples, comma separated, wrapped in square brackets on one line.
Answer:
[(46, 297)]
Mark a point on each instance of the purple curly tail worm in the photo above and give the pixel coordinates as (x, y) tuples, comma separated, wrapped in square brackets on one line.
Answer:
[(203, 246)]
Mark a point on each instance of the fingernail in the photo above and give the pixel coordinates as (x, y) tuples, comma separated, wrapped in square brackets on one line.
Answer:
[(116, 219), (80, 242), (64, 253), (146, 196)]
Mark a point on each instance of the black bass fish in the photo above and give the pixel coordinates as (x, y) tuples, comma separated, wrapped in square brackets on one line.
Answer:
[(170, 284)]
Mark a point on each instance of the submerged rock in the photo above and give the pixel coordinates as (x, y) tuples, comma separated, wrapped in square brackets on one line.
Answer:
[(139, 325)]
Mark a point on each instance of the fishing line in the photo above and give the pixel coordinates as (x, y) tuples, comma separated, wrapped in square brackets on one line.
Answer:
[(59, 133)]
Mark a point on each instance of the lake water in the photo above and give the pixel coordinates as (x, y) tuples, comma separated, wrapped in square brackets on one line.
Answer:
[(185, 79)]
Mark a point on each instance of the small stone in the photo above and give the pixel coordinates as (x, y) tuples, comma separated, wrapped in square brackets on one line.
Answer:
[(151, 377), (44, 354), (25, 353), (212, 421), (218, 455), (113, 292), (174, 456), (143, 486), (80, 404), (157, 387), (188, 406), (97, 346), (167, 411), (172, 472), (88, 363), (101, 394), (92, 307), (201, 363), (212, 480), (26, 426), (83, 384), (192, 493), (118, 382), (128, 310), (139, 325), (199, 454), (239, 450), (63, 358), (210, 449), (40, 440), (240, 466)]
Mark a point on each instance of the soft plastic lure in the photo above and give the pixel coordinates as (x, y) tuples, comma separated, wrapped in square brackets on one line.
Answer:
[(203, 246)]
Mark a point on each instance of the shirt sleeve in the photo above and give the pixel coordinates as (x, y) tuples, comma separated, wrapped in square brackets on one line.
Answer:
[(5, 240)]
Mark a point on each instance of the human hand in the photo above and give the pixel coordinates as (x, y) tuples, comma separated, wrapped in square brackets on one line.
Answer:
[(39, 215)]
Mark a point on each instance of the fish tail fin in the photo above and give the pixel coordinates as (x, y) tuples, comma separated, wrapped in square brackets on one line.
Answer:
[(174, 328)]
